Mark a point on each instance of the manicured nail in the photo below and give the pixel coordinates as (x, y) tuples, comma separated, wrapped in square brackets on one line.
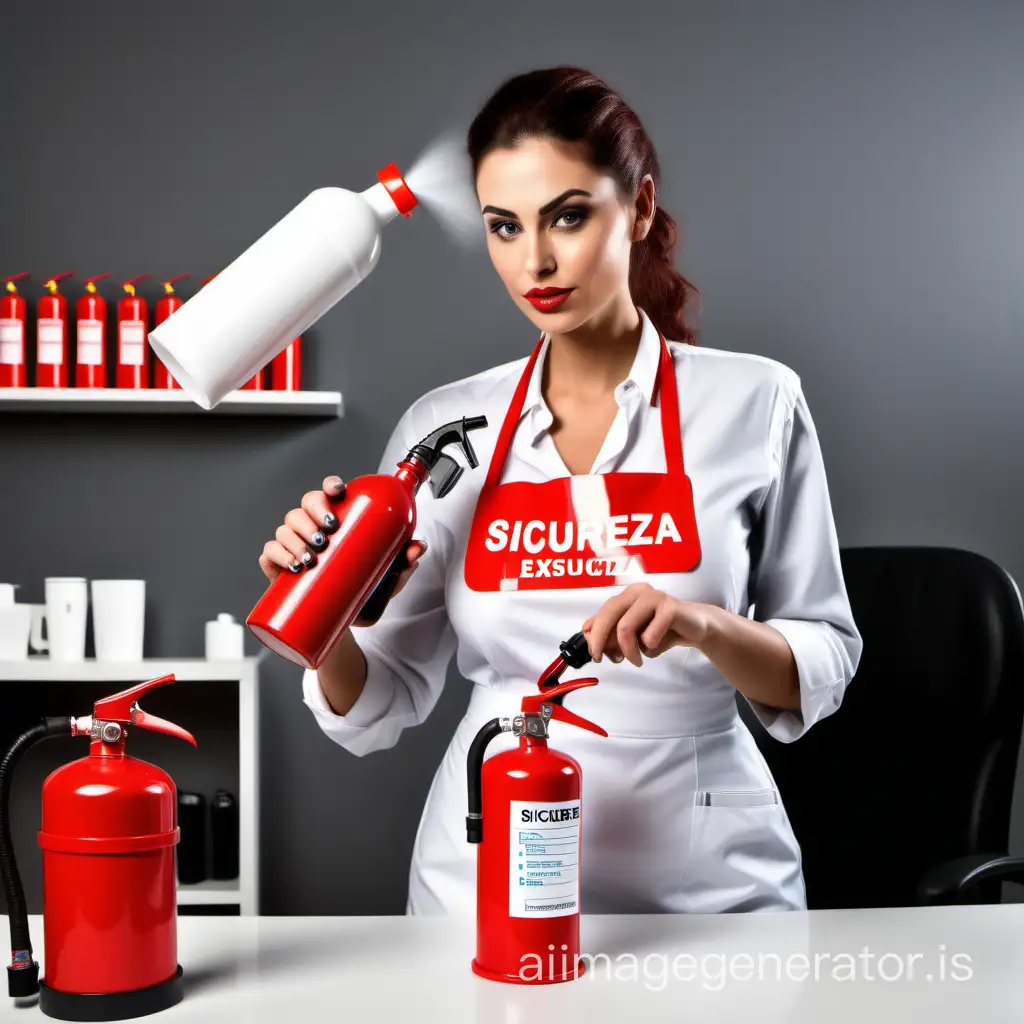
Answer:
[(295, 566), (308, 559), (318, 540), (330, 521)]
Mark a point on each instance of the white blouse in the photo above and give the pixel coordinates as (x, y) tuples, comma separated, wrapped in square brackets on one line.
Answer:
[(768, 538)]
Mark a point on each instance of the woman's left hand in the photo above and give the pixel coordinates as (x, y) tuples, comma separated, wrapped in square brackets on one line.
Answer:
[(644, 621)]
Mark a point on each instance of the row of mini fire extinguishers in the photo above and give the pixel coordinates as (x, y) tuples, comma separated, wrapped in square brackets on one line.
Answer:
[(53, 334)]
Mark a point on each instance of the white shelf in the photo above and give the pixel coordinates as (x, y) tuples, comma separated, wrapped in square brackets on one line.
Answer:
[(42, 669), (326, 404), (210, 891)]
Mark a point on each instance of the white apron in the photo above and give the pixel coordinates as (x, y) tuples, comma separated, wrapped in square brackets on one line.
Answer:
[(680, 811)]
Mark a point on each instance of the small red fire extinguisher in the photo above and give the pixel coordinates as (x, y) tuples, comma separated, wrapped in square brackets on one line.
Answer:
[(165, 306), (302, 613), (52, 336), (525, 812), (13, 317), (132, 331), (91, 336), (286, 367), (109, 829)]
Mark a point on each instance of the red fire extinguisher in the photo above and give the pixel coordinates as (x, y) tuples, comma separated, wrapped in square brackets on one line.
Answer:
[(525, 812), (91, 336), (13, 317), (286, 367), (132, 332), (52, 336), (165, 306), (109, 829), (303, 612)]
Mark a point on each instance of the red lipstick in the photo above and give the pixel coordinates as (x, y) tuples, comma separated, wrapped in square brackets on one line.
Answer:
[(547, 300)]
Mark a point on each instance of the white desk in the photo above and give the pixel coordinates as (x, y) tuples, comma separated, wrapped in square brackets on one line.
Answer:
[(312, 969)]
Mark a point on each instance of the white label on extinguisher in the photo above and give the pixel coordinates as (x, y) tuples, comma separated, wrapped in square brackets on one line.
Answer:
[(132, 335), (544, 851), (12, 342), (50, 341), (90, 342)]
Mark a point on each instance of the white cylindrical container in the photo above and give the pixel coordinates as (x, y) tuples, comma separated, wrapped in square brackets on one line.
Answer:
[(67, 602), (118, 619), (224, 639), (15, 623), (278, 287)]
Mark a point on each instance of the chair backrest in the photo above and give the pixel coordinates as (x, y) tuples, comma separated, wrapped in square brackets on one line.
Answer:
[(917, 764)]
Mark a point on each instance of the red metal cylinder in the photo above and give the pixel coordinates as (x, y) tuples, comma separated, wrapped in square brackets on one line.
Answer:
[(286, 367), (165, 306), (132, 343), (52, 340), (91, 338), (109, 828), (528, 922), (13, 322), (301, 615)]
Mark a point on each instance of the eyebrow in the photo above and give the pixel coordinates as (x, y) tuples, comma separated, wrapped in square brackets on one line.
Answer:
[(546, 208)]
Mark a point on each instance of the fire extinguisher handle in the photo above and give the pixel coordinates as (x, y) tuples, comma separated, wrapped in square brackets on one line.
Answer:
[(124, 707), (554, 695), (381, 594)]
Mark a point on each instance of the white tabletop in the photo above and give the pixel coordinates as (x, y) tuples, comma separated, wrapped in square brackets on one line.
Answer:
[(931, 964)]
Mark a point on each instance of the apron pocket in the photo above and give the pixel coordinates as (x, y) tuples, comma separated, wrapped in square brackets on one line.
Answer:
[(743, 854)]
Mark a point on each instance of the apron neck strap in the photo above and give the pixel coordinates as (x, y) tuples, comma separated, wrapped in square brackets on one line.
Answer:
[(664, 382)]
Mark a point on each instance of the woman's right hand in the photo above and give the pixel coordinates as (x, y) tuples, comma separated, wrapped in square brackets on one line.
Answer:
[(305, 530)]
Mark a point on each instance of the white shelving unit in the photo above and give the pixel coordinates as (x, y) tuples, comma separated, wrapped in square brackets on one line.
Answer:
[(324, 404), (244, 891)]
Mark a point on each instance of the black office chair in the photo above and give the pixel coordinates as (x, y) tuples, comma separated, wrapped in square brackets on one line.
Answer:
[(902, 796)]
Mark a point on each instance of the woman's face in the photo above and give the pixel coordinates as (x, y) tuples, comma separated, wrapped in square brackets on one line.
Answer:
[(555, 222)]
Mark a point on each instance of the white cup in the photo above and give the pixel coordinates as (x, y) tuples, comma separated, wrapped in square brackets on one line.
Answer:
[(15, 625), (67, 602), (118, 617)]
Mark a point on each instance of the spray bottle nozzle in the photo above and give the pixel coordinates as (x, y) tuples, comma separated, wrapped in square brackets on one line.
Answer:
[(401, 195), (444, 470)]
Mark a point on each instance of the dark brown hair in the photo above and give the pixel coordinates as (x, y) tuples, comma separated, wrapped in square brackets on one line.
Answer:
[(573, 105)]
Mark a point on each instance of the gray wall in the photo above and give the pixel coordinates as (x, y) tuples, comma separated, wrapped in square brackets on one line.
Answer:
[(848, 180)]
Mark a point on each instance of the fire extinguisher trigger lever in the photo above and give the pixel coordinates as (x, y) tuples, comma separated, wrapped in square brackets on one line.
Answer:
[(124, 707)]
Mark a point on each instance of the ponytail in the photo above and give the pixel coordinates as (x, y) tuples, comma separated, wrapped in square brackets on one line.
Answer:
[(656, 286)]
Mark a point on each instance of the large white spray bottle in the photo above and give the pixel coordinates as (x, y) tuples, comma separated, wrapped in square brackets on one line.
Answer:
[(278, 287)]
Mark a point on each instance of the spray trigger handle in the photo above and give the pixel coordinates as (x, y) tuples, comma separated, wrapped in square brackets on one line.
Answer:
[(444, 470), (554, 696), (124, 707)]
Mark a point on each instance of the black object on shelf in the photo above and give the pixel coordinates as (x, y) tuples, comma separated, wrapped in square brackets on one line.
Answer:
[(192, 844), (224, 835)]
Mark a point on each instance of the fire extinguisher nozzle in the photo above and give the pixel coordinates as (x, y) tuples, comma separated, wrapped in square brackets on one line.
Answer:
[(23, 981)]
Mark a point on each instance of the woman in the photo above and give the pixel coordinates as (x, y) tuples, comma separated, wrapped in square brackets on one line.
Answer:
[(682, 813)]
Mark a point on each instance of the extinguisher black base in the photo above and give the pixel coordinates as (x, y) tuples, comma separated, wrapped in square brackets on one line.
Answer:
[(111, 1005)]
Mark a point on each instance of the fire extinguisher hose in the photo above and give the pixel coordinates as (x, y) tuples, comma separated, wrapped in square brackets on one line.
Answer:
[(474, 764), (23, 971)]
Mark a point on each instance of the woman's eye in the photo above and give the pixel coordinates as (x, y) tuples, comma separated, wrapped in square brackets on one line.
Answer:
[(578, 215), (497, 225)]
